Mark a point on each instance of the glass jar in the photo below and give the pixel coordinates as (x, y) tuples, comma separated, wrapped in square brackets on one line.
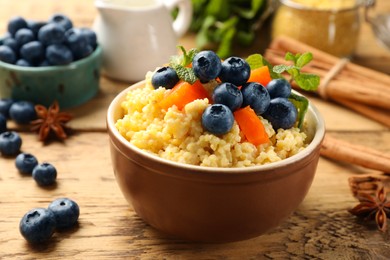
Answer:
[(329, 25)]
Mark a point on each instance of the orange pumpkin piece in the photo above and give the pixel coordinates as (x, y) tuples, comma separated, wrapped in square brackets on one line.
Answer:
[(183, 93), (260, 75), (251, 125)]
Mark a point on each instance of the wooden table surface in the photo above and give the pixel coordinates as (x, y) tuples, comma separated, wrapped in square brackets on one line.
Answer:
[(108, 228)]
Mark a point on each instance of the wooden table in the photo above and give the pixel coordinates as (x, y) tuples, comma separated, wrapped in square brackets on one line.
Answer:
[(108, 228)]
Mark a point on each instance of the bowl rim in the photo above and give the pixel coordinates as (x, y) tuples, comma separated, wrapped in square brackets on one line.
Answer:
[(96, 53), (231, 171)]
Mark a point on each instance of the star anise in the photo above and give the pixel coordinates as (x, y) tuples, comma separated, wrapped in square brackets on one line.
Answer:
[(371, 207), (50, 120)]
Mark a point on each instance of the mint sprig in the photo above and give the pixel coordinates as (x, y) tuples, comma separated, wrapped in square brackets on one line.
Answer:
[(305, 81), (180, 64)]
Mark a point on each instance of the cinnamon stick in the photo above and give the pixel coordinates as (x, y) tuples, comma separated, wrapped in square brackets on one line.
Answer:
[(380, 115), (356, 154), (288, 44)]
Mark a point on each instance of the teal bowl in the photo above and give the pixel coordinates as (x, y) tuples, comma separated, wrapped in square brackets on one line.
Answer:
[(71, 85)]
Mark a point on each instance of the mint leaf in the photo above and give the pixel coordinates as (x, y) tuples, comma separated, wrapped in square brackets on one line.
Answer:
[(302, 104), (307, 81), (255, 61), (180, 62), (186, 74), (304, 59), (283, 68)]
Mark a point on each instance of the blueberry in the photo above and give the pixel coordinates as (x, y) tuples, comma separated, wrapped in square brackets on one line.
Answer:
[(217, 119), (256, 96), (37, 225), (62, 20), (206, 65), (51, 33), (90, 35), (66, 212), (25, 163), (33, 52), (3, 124), (7, 54), (10, 143), (15, 24), (235, 70), (228, 94), (35, 26), (58, 54), (281, 113), (44, 63), (165, 77), (279, 88), (11, 42), (23, 63), (77, 43), (44, 174), (5, 104), (22, 112), (24, 36)]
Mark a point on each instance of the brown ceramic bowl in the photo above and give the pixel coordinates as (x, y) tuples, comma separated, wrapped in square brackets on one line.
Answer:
[(212, 204)]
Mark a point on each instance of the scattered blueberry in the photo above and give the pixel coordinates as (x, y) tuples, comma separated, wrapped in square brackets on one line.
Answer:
[(281, 113), (256, 96), (33, 52), (5, 104), (218, 119), (62, 20), (66, 212), (228, 94), (7, 54), (3, 124), (24, 36), (164, 77), (279, 88), (206, 65), (15, 24), (58, 54), (51, 33), (25, 163), (10, 143), (235, 70), (38, 225), (44, 174), (22, 112), (77, 43)]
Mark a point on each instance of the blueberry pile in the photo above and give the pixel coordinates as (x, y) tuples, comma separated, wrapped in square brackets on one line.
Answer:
[(39, 224), (22, 112), (234, 92), (53, 42)]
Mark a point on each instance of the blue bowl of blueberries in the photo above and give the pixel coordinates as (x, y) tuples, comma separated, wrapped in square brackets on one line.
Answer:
[(43, 61)]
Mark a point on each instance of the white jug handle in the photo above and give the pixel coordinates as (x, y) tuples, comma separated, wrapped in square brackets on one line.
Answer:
[(184, 16)]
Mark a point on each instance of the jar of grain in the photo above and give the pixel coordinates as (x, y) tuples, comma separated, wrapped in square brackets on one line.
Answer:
[(329, 25)]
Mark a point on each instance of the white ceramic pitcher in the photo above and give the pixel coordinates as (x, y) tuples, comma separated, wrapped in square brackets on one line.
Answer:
[(139, 35)]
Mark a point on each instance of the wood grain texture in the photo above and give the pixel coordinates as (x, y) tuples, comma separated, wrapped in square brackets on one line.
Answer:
[(321, 228)]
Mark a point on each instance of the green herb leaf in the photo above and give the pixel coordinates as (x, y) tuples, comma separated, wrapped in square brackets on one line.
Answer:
[(283, 68), (304, 59), (180, 62), (255, 61), (307, 81), (186, 74), (302, 104)]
